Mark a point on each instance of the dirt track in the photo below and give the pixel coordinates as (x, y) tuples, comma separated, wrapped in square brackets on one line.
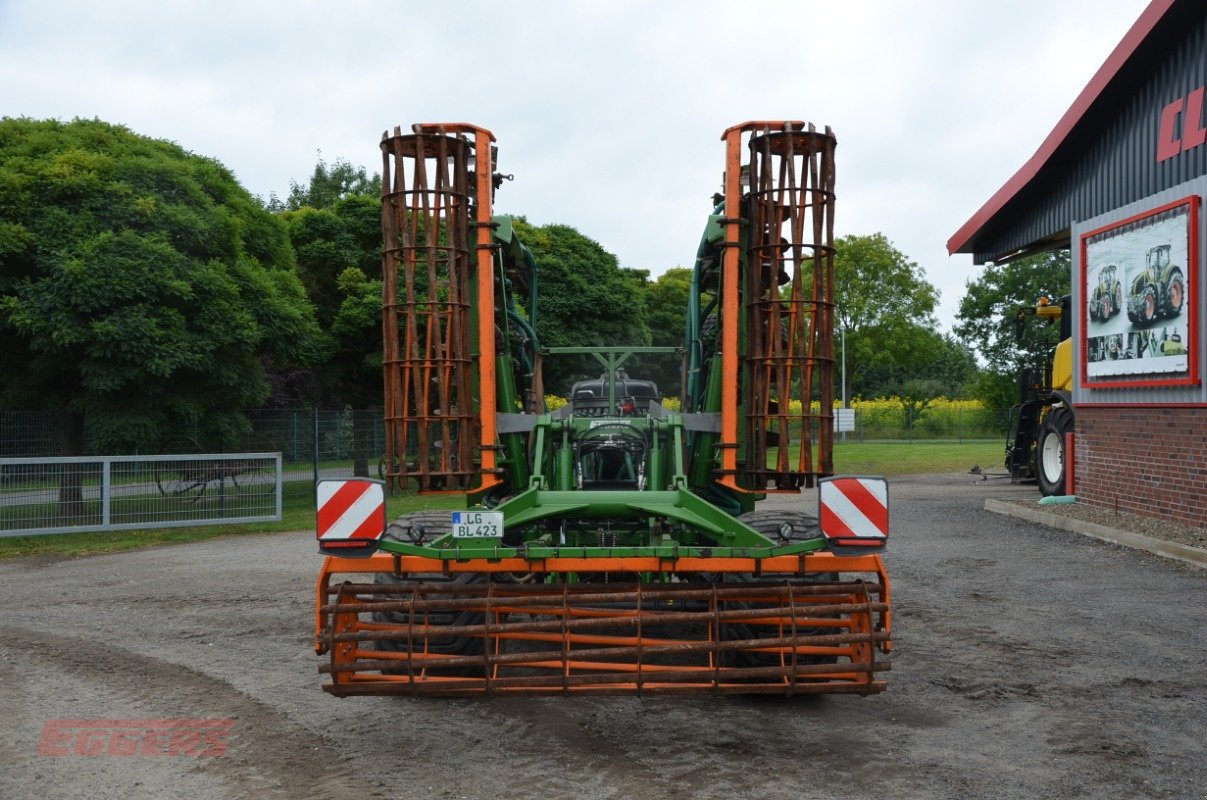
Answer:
[(1028, 662)]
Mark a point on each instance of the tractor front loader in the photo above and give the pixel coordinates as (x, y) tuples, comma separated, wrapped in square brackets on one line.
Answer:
[(611, 546)]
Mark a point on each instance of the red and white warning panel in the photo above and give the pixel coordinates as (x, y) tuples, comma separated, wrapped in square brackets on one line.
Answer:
[(351, 516), (854, 511)]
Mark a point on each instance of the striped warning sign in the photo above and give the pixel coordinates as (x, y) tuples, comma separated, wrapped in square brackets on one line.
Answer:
[(350, 511), (854, 510)]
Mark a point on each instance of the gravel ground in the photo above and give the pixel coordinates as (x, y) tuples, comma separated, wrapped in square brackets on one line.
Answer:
[(1028, 663)]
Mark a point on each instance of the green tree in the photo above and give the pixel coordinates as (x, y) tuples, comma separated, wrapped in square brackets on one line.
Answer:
[(585, 299), (665, 303), (987, 320), (328, 184), (936, 359), (334, 223), (338, 251), (139, 285), (883, 301)]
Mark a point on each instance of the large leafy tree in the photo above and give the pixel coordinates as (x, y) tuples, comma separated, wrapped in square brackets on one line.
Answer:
[(338, 250), (987, 319), (139, 285), (334, 223), (940, 361), (885, 304), (328, 184), (665, 304), (585, 299)]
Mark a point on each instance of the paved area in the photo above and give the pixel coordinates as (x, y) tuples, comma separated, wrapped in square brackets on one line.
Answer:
[(1029, 662), (1163, 539)]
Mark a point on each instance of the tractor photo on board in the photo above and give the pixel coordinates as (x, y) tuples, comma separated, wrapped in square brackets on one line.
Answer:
[(1107, 298), (612, 545), (1158, 291)]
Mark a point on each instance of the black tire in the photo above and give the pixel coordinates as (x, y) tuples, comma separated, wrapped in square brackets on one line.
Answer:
[(782, 527), (421, 527), (1149, 308), (772, 524), (1175, 294), (1050, 451)]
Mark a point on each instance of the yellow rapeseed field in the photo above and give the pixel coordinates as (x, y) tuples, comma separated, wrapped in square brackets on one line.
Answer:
[(893, 417)]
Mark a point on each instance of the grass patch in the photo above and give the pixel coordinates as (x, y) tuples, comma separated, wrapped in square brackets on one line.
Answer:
[(852, 458), (916, 458)]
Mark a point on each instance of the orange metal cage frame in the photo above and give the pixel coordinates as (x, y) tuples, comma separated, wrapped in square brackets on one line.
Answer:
[(799, 621), (775, 566)]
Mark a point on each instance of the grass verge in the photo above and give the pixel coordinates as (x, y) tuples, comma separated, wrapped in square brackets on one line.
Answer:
[(852, 458), (297, 514), (917, 457)]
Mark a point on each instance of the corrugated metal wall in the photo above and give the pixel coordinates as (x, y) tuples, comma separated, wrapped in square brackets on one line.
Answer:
[(1196, 295), (1110, 161)]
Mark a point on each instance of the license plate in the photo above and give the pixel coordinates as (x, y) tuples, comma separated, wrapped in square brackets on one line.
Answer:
[(477, 524)]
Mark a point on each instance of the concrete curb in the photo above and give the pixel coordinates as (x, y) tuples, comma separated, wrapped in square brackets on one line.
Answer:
[(1196, 556)]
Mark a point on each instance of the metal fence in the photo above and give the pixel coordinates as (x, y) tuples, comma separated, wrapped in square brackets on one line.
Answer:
[(316, 444), (353, 440), (300, 435), (313, 444), (59, 495)]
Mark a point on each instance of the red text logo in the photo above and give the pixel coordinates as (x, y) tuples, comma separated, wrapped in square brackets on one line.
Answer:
[(135, 737), (1172, 138)]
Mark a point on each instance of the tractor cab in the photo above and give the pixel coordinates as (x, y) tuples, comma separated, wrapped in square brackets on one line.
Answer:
[(619, 396), (1158, 257)]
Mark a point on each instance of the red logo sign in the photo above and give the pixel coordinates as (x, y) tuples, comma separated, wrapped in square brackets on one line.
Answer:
[(135, 737), (1172, 138)]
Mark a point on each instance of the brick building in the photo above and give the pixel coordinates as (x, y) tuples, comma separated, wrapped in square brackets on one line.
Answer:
[(1119, 182)]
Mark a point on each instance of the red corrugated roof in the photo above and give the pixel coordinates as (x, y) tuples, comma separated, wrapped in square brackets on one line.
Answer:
[(1106, 73)]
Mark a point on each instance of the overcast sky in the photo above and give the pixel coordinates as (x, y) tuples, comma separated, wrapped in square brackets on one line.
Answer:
[(608, 113)]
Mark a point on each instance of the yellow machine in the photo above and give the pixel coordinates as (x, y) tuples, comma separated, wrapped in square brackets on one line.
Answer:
[(1035, 444)]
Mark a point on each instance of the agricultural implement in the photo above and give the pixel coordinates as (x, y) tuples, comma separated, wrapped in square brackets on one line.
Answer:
[(611, 546)]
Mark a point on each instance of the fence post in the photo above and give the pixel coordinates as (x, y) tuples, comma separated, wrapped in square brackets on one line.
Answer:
[(316, 452), (280, 479), (106, 475), (361, 433)]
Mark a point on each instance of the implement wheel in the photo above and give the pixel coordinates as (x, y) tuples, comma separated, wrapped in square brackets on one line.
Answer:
[(780, 527), (422, 527)]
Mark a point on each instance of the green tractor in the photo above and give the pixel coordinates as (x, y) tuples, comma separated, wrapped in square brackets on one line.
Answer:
[(1107, 298), (1158, 292)]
